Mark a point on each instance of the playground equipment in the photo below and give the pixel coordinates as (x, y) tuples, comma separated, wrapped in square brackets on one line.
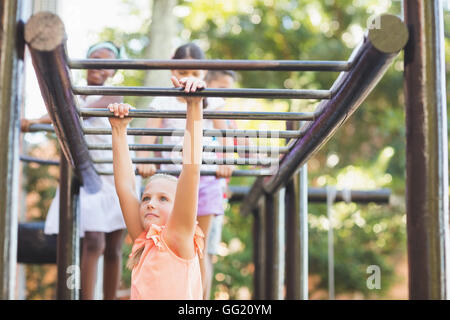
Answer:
[(278, 200)]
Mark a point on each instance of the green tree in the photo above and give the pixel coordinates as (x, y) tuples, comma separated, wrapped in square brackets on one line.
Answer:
[(323, 30)]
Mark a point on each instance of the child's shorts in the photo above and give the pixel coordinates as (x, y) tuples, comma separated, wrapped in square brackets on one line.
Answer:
[(210, 196)]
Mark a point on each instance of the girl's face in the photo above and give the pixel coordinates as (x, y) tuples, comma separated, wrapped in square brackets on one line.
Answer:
[(98, 77), (224, 82), (179, 74), (157, 202)]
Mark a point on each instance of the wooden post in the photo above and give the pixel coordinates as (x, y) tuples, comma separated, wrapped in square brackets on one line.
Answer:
[(259, 230), (297, 237), (68, 243), (10, 97), (426, 151), (274, 247)]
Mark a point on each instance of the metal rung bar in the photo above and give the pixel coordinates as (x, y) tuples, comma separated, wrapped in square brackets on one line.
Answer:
[(29, 159), (41, 128), (292, 116), (265, 134), (168, 147), (266, 65), (206, 133), (229, 161), (236, 173), (225, 93)]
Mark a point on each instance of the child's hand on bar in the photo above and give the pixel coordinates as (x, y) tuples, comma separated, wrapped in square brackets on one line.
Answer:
[(121, 111), (190, 84)]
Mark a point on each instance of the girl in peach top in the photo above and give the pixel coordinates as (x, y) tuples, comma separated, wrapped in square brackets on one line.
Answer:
[(167, 240)]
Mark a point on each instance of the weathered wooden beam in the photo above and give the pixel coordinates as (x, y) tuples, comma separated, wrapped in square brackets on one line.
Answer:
[(319, 195), (10, 99), (45, 37)]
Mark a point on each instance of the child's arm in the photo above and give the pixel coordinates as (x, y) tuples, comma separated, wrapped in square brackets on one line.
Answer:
[(182, 222), (124, 177), (223, 171), (146, 170), (100, 103), (26, 123)]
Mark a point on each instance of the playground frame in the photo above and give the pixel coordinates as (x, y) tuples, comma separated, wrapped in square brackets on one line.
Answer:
[(278, 200)]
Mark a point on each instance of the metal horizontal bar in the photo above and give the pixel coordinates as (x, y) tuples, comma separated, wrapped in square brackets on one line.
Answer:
[(225, 93), (41, 128), (263, 134), (169, 147), (236, 115), (39, 161), (380, 196), (319, 195), (371, 60), (229, 161), (267, 65), (236, 173)]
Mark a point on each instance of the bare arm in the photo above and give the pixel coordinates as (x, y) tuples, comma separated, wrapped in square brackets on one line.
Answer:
[(26, 123), (223, 171), (124, 177), (182, 222), (147, 170), (222, 125)]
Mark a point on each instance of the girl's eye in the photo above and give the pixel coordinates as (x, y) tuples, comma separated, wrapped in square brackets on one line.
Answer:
[(164, 199), (145, 199)]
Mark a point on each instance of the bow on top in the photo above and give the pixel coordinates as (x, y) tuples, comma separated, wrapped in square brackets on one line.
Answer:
[(153, 235)]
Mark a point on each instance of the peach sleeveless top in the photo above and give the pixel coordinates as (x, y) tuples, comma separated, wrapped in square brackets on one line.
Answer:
[(161, 274)]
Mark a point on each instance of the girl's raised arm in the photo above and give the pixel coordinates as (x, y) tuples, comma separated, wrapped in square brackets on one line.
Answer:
[(124, 177), (182, 221)]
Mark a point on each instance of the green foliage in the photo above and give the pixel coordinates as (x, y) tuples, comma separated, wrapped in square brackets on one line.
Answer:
[(126, 273), (40, 181), (233, 270), (39, 186)]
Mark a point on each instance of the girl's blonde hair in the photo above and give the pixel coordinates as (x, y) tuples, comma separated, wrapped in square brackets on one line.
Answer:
[(136, 256)]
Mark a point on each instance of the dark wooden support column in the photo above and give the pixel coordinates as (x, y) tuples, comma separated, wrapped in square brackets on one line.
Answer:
[(257, 232), (274, 259), (297, 237), (68, 242), (426, 151), (260, 250), (11, 72)]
